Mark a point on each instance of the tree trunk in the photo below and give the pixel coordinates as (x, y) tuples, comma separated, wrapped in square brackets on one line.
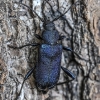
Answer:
[(80, 25)]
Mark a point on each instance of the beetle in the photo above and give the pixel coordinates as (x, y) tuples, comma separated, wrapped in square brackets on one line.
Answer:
[(48, 67)]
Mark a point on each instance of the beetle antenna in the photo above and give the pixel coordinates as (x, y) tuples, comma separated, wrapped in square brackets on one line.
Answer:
[(20, 91), (65, 12), (50, 5), (31, 10)]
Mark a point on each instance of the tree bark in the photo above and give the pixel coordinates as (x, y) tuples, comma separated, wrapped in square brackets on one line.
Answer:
[(80, 25)]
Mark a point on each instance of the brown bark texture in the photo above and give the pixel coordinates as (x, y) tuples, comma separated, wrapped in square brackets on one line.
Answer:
[(80, 25)]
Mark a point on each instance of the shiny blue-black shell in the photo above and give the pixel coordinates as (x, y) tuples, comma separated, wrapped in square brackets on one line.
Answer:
[(47, 69)]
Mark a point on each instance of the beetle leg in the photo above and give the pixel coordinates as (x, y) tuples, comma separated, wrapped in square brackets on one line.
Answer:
[(69, 49), (38, 36), (29, 73), (60, 83), (69, 73), (20, 47), (61, 37), (25, 78), (21, 1)]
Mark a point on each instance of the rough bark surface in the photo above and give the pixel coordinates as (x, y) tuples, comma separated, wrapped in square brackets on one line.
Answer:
[(81, 25)]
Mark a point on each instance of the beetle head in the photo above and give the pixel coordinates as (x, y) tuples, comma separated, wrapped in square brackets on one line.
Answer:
[(48, 25)]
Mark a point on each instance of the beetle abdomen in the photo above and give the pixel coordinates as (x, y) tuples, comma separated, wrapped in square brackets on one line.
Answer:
[(48, 66)]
